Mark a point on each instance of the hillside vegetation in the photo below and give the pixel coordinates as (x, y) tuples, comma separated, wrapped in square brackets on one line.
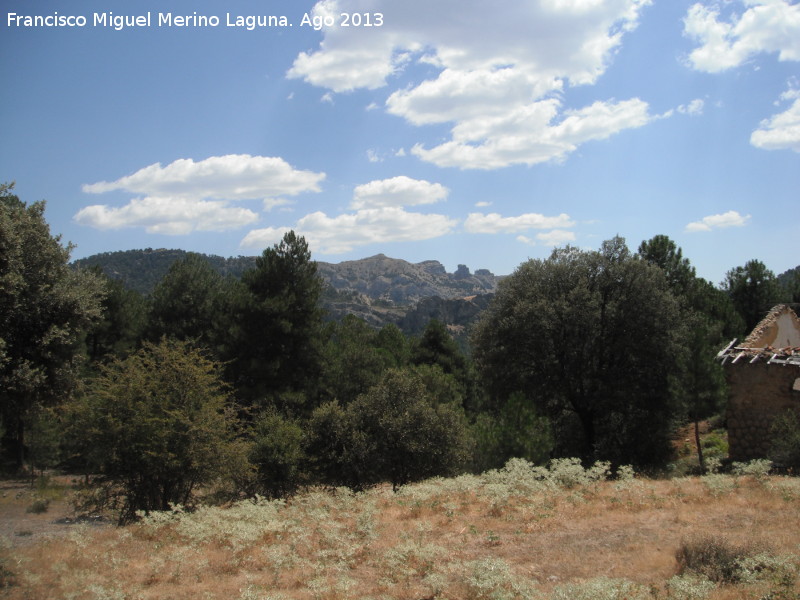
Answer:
[(248, 445), (521, 532)]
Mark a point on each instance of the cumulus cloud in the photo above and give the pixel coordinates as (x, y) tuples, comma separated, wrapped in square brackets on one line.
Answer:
[(397, 191), (343, 233), (187, 196), (272, 203), (765, 26), (495, 223), (497, 71), (556, 237), (781, 131), (170, 216), (729, 219), (379, 217), (531, 134), (694, 108), (231, 177)]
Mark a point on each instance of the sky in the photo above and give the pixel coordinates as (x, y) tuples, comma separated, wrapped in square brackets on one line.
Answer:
[(464, 131)]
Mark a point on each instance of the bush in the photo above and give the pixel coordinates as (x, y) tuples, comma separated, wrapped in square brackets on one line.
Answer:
[(7, 577), (758, 469), (602, 588), (38, 506), (714, 558), (158, 425), (395, 432), (690, 587), (277, 453)]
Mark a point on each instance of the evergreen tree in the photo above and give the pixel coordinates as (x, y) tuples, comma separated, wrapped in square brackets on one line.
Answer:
[(121, 328), (191, 303), (353, 362), (754, 291), (280, 353), (710, 320), (436, 347)]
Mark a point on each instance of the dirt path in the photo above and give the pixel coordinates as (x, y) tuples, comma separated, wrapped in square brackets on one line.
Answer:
[(21, 527)]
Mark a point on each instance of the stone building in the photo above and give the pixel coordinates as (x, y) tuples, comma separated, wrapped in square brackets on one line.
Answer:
[(763, 375)]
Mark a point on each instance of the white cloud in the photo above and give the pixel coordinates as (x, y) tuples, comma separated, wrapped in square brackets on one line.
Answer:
[(187, 196), (483, 204), (379, 217), (529, 136), (729, 219), (495, 223), (556, 237), (230, 177), (550, 38), (694, 108), (272, 203), (781, 131), (334, 235), (169, 216), (766, 26), (497, 70), (263, 238), (397, 191)]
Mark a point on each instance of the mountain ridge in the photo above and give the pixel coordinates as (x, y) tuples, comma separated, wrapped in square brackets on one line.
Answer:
[(379, 277), (378, 289)]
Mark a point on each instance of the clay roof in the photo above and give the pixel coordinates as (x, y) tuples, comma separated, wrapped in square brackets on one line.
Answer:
[(776, 340)]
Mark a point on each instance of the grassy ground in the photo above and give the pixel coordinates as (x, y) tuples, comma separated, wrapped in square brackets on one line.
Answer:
[(515, 533)]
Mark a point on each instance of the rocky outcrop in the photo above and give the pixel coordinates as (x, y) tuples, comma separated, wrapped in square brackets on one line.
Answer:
[(403, 283)]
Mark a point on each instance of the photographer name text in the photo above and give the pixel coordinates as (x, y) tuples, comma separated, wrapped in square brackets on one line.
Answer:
[(117, 22)]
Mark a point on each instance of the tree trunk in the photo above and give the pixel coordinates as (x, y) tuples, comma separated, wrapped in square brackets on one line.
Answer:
[(587, 422), (699, 447), (20, 444)]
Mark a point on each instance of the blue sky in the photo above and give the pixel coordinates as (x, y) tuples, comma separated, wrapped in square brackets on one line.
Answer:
[(463, 131)]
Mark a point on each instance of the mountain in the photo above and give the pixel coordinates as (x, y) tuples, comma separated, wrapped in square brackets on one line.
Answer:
[(378, 289), (397, 282)]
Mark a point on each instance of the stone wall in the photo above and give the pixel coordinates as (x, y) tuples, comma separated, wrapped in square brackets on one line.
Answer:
[(758, 393)]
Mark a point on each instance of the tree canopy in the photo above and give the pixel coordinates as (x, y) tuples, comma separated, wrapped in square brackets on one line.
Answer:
[(280, 348), (754, 290), (45, 307), (591, 338)]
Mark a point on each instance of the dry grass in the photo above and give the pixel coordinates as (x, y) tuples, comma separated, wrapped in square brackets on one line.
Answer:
[(501, 535)]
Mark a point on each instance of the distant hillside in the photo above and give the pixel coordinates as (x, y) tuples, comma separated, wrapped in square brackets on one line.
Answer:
[(141, 270), (378, 289)]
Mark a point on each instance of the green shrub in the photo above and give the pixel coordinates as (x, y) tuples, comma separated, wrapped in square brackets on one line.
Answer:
[(758, 469), (689, 587), (718, 559), (715, 444), (395, 432), (602, 588), (277, 454), (38, 506), (493, 579), (158, 425)]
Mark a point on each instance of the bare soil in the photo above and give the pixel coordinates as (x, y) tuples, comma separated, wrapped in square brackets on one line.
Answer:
[(20, 526)]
